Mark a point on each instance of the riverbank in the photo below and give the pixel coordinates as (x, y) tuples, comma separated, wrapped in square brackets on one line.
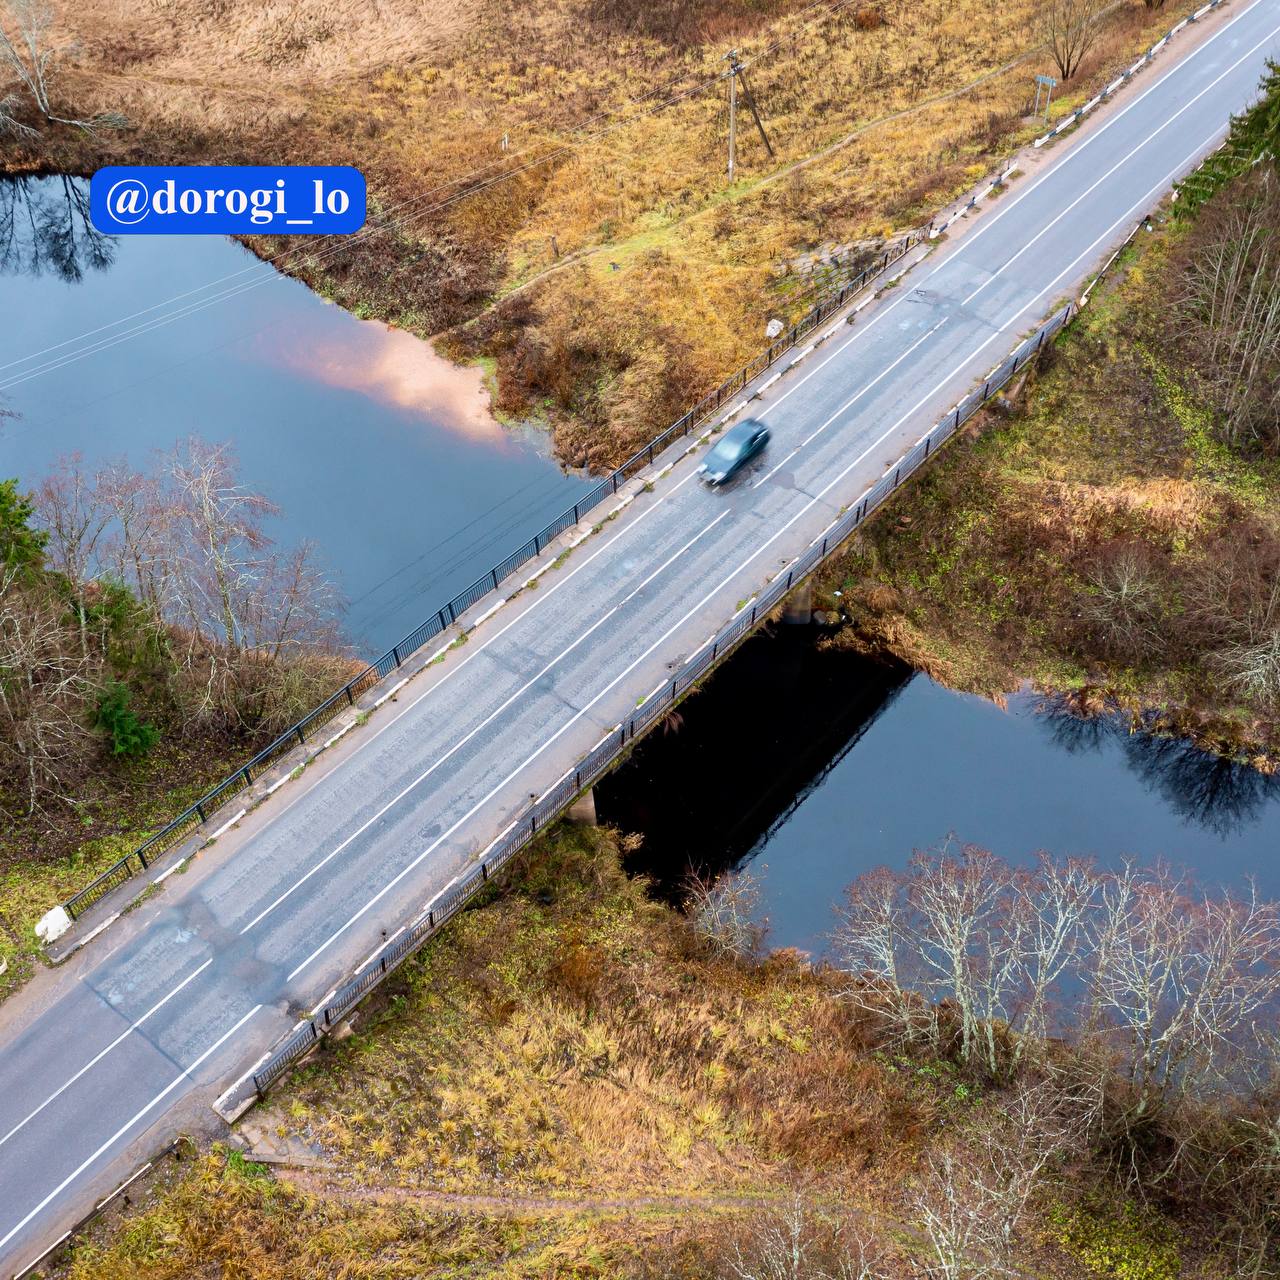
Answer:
[(134, 682), (1109, 534), (608, 276), (572, 1080)]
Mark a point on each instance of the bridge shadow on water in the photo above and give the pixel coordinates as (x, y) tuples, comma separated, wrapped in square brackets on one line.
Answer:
[(709, 788)]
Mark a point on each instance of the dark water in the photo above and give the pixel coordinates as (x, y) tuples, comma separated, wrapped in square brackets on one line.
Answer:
[(815, 765), (375, 449)]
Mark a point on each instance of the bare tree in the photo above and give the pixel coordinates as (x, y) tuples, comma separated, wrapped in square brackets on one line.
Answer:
[(1229, 306), (725, 913), (961, 944), (1180, 978), (73, 514), (26, 49), (136, 548), (793, 1243), (1124, 603), (10, 125), (1071, 28), (972, 1200), (44, 687), (965, 939), (251, 630)]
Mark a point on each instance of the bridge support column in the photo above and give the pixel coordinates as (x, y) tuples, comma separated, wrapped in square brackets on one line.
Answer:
[(799, 606), (583, 809)]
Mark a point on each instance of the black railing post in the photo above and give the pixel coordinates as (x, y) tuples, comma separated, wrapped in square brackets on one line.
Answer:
[(302, 742), (957, 426), (142, 858), (493, 573), (351, 701), (200, 811), (395, 653), (927, 441), (575, 513), (453, 617), (986, 388), (248, 777)]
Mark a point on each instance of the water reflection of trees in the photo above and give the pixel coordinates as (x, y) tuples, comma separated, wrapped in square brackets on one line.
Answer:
[(45, 227), (1213, 792)]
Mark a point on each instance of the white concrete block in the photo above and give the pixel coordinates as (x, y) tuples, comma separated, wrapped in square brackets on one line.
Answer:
[(53, 924)]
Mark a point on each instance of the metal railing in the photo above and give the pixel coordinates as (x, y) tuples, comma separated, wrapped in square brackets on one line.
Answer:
[(190, 820), (614, 744)]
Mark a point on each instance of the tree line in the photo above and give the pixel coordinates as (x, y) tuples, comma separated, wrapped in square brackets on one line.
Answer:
[(127, 593), (1118, 1025)]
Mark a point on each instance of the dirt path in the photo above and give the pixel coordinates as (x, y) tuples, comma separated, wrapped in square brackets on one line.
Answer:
[(324, 1183)]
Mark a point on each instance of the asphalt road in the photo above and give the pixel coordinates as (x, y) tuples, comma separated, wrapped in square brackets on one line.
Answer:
[(107, 1057)]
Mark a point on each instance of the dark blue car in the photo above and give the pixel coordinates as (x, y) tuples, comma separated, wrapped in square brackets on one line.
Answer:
[(734, 450)]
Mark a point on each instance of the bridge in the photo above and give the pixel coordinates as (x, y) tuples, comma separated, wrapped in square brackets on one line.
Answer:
[(180, 1002)]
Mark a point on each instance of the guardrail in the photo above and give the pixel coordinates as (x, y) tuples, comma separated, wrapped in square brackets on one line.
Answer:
[(189, 821), (172, 1149), (614, 744), (1074, 118)]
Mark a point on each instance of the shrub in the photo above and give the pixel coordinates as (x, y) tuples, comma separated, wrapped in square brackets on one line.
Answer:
[(129, 735)]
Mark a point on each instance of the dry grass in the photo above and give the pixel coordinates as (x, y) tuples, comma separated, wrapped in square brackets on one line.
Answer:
[(587, 1044), (573, 1086), (671, 276)]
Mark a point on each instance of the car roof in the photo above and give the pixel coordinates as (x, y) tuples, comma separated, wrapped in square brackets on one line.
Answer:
[(741, 430)]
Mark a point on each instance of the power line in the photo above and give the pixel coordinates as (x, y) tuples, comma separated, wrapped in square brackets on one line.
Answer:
[(389, 224)]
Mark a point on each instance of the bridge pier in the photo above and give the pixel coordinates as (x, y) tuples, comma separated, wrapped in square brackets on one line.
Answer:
[(583, 809), (798, 609)]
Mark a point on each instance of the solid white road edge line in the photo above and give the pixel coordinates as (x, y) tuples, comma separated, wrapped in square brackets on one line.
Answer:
[(124, 1128), (1162, 185), (1004, 209), (462, 742), (102, 1053)]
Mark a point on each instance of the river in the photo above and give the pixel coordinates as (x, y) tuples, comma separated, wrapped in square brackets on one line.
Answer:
[(811, 765), (375, 449)]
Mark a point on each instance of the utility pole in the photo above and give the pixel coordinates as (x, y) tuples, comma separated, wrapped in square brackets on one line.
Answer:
[(738, 72), (734, 67)]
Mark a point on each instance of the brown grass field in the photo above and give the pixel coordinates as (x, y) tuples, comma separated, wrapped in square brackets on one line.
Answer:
[(611, 275), (1102, 539)]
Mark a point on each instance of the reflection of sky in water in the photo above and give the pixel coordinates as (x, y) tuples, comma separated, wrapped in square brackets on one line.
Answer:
[(1015, 781), (397, 370), (375, 449)]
